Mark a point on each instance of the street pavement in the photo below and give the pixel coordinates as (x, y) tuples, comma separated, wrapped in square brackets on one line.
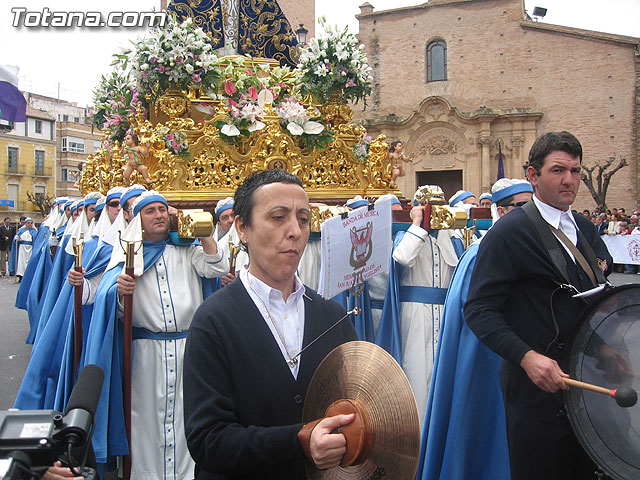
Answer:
[(14, 325), (14, 353)]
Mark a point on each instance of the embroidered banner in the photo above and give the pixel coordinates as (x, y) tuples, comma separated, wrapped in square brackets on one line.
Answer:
[(625, 249), (356, 243)]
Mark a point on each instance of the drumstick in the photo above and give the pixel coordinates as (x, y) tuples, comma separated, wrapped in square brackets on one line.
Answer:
[(624, 396)]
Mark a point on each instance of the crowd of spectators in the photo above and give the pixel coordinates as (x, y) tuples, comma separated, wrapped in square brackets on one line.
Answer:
[(616, 221)]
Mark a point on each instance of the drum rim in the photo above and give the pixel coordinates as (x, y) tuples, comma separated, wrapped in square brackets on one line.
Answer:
[(601, 453)]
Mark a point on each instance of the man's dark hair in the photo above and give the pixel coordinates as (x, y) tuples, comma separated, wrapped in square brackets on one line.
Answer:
[(551, 142), (135, 139), (22, 219), (243, 198), (7, 218)]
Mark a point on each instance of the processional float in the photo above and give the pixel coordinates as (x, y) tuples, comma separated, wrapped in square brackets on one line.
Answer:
[(356, 377)]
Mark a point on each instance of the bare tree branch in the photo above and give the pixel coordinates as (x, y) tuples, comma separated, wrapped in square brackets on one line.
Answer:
[(42, 201), (599, 190)]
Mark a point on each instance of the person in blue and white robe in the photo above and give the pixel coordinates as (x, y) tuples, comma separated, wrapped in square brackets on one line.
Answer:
[(24, 241), (166, 292), (464, 434), (424, 264)]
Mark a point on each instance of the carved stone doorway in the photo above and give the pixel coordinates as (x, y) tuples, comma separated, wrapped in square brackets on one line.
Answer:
[(449, 180)]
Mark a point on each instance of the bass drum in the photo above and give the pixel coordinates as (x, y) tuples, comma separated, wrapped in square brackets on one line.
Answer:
[(605, 351)]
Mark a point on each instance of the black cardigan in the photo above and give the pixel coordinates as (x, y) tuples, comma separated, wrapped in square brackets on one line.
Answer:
[(508, 306), (243, 408)]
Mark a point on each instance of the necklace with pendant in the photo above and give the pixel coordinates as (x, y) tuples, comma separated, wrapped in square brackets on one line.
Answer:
[(293, 361)]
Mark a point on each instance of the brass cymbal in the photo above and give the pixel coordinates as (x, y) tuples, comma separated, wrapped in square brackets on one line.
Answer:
[(367, 374)]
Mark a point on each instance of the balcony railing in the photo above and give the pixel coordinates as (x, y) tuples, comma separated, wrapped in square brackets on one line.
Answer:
[(42, 172), (14, 170)]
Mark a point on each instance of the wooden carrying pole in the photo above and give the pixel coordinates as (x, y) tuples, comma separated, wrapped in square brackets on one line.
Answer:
[(128, 338), (77, 304)]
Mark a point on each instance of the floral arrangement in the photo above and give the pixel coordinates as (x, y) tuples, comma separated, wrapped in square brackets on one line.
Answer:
[(245, 91), (361, 148), (334, 63), (115, 98), (177, 143), (174, 56), (297, 120), (249, 87)]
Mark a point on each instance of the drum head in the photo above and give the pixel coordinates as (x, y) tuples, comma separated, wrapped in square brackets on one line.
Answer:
[(605, 351)]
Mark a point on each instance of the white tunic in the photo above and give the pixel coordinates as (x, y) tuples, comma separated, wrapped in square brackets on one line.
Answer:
[(377, 290), (242, 257), (428, 263), (310, 262), (166, 297), (24, 253)]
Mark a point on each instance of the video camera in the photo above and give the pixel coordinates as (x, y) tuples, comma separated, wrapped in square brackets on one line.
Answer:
[(32, 440)]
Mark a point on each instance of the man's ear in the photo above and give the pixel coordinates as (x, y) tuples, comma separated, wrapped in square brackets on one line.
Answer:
[(533, 176), (241, 228)]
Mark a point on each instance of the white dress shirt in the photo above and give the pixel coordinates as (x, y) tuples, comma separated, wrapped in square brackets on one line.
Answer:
[(285, 319), (562, 220)]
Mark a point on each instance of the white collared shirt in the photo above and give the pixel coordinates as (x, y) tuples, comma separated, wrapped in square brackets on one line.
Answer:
[(562, 220), (285, 319)]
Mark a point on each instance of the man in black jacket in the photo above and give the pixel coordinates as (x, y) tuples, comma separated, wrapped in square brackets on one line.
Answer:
[(247, 366), (517, 307), (7, 232)]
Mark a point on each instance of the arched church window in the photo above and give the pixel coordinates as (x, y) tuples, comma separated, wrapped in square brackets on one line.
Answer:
[(437, 61)]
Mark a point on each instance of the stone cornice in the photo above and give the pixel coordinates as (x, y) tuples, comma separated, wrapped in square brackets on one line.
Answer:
[(581, 33), (423, 6)]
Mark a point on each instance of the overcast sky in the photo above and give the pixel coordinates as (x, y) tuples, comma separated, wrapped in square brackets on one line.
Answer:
[(69, 62)]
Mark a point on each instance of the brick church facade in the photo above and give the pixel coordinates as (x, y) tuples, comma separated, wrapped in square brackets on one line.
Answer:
[(459, 80)]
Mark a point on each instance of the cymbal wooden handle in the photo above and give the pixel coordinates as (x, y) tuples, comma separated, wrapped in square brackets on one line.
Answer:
[(587, 386), (357, 435)]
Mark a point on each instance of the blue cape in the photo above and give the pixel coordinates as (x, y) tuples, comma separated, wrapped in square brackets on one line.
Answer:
[(388, 335), (464, 434), (104, 348), (41, 380), (39, 307), (363, 322), (13, 258), (37, 268)]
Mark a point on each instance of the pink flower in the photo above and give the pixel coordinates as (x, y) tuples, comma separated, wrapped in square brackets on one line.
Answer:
[(230, 88), (161, 68), (179, 59), (350, 83), (153, 60), (253, 92), (233, 102), (196, 77)]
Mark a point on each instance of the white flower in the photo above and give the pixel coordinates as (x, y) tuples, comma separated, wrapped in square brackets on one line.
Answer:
[(189, 68), (313, 128), (265, 97), (256, 126), (230, 130), (321, 70), (295, 129)]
